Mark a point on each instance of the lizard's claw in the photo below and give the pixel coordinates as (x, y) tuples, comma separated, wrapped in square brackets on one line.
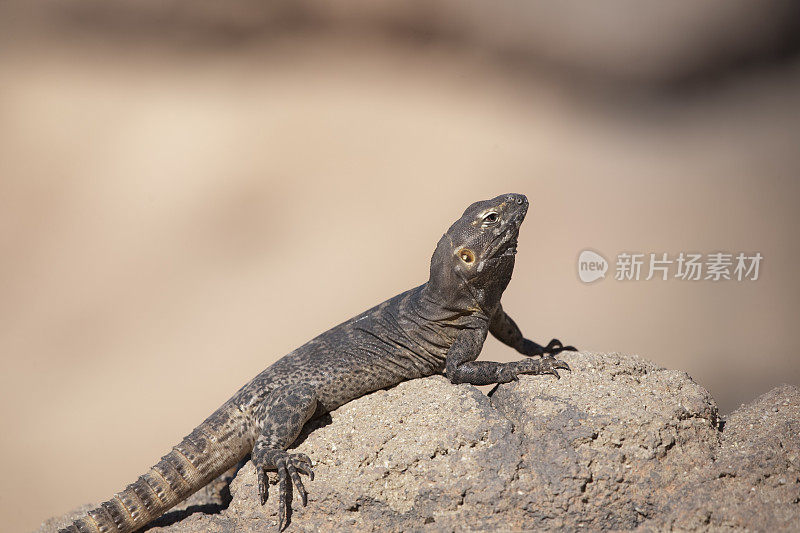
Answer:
[(263, 485), (550, 365), (555, 347), (289, 467)]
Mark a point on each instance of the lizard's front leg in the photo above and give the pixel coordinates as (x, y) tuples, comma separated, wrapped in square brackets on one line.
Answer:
[(506, 331), (281, 418), (463, 368)]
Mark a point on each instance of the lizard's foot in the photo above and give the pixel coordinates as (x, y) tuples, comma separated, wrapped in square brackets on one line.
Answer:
[(545, 365), (555, 347), (289, 467)]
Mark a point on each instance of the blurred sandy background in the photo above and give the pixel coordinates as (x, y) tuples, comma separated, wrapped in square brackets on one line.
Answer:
[(188, 190)]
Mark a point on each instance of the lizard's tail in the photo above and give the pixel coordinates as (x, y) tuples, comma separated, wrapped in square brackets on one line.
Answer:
[(190, 466)]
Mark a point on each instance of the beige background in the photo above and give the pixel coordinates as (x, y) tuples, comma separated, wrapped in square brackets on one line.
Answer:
[(174, 218)]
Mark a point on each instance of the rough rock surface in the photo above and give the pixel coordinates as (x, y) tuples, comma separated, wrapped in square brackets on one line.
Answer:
[(755, 482), (618, 444), (603, 444)]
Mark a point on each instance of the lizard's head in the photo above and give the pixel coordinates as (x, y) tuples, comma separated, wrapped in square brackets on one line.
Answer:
[(479, 248)]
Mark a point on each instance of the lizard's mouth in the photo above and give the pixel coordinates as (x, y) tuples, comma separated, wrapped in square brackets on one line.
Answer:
[(507, 247)]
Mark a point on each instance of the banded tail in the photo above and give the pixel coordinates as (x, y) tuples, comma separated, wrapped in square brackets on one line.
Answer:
[(191, 465)]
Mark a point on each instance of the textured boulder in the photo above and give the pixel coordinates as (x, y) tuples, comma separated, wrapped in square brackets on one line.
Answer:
[(618, 443), (755, 482), (420, 453), (604, 444)]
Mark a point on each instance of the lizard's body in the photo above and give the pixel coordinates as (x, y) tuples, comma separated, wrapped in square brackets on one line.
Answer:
[(436, 326)]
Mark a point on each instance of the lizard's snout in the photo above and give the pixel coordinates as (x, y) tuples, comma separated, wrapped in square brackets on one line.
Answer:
[(518, 199), (519, 204)]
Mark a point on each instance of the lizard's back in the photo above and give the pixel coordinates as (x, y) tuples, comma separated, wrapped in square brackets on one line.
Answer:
[(389, 343)]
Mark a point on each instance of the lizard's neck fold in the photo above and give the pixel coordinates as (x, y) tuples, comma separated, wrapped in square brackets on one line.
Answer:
[(439, 303)]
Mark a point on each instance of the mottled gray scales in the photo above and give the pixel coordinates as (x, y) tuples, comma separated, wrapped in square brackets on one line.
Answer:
[(437, 327)]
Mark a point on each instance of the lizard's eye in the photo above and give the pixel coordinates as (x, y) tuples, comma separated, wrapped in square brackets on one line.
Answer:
[(467, 255), (490, 218)]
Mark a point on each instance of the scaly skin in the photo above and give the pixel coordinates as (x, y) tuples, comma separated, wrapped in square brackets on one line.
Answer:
[(439, 326)]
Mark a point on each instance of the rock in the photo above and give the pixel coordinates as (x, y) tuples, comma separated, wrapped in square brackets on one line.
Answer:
[(618, 443), (604, 443), (755, 482), (392, 461)]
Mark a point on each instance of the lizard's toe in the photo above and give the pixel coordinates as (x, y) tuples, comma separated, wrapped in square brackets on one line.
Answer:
[(285, 490), (550, 365), (303, 463), (263, 485), (304, 467), (291, 470), (558, 363), (554, 344), (555, 347)]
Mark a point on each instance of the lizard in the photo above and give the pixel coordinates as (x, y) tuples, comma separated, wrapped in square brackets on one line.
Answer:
[(437, 327)]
